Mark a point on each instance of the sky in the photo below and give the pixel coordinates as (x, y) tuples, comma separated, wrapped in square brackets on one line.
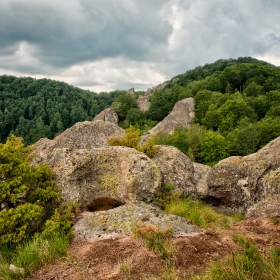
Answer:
[(104, 45)]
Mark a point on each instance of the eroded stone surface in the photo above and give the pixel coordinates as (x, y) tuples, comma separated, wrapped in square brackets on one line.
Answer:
[(177, 169), (107, 115), (122, 220), (182, 114), (120, 173), (200, 178), (266, 208), (240, 182), (82, 135)]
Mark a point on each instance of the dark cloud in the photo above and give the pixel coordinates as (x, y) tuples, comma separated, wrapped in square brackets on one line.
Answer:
[(124, 42)]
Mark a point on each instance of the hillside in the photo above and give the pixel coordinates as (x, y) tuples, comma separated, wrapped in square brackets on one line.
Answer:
[(237, 108)]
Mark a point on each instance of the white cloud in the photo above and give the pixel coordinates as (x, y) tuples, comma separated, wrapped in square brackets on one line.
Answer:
[(104, 45)]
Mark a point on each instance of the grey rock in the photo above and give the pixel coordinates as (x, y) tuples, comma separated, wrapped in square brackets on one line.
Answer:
[(182, 114), (240, 182), (200, 177), (82, 135), (108, 115), (266, 208), (177, 169), (122, 220), (119, 173)]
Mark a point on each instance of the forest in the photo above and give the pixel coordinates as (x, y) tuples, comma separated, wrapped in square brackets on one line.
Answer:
[(237, 108)]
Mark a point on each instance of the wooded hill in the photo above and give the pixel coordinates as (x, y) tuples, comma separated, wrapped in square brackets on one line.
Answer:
[(237, 108)]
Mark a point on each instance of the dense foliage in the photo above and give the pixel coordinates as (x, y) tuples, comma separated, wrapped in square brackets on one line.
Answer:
[(132, 139), (29, 198), (237, 108), (34, 109)]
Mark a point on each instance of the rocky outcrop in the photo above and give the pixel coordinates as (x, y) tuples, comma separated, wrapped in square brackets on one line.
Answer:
[(143, 102), (266, 208), (240, 182), (182, 114), (117, 173), (177, 169), (82, 135), (200, 178), (122, 220), (107, 115)]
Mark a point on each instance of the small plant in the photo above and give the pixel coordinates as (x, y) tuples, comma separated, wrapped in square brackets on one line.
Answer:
[(132, 140), (125, 266), (156, 239), (248, 264)]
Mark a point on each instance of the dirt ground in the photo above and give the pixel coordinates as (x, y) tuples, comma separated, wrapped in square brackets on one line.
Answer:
[(126, 257)]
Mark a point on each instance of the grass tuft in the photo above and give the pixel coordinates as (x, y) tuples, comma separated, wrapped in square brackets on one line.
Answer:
[(158, 240), (32, 255), (198, 213), (248, 264)]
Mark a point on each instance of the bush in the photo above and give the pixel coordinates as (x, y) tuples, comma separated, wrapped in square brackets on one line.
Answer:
[(132, 140), (28, 194)]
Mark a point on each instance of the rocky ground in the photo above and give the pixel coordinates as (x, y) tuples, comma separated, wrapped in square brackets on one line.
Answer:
[(113, 257)]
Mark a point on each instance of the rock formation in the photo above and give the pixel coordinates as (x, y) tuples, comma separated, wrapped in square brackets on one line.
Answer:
[(143, 102), (239, 182), (118, 173), (107, 115), (266, 208), (182, 114), (122, 220), (200, 178), (177, 169), (82, 135)]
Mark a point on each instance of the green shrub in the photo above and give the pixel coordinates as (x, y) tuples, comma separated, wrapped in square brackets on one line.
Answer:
[(132, 140), (28, 194)]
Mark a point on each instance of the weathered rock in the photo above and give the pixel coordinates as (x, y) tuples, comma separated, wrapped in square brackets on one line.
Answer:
[(15, 269), (200, 177), (177, 169), (143, 102), (82, 135), (118, 173), (240, 182), (266, 208), (108, 115), (122, 220), (182, 114)]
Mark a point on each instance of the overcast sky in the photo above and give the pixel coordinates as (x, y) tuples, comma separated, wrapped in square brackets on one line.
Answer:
[(103, 45)]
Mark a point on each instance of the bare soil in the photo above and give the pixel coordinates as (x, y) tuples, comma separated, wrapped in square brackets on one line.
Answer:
[(126, 257)]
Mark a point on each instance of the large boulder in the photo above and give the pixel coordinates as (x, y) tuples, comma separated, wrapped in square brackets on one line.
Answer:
[(122, 220), (266, 208), (177, 169), (200, 179), (107, 115), (118, 173), (182, 114), (83, 135), (239, 182)]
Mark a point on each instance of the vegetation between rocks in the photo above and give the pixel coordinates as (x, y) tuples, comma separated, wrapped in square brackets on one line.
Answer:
[(31, 214), (132, 140), (247, 264)]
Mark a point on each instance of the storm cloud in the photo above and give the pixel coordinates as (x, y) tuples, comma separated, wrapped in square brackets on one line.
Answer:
[(104, 45)]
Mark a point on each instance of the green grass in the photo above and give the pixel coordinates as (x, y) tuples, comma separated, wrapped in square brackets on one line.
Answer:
[(157, 240), (248, 264), (32, 255), (199, 213)]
